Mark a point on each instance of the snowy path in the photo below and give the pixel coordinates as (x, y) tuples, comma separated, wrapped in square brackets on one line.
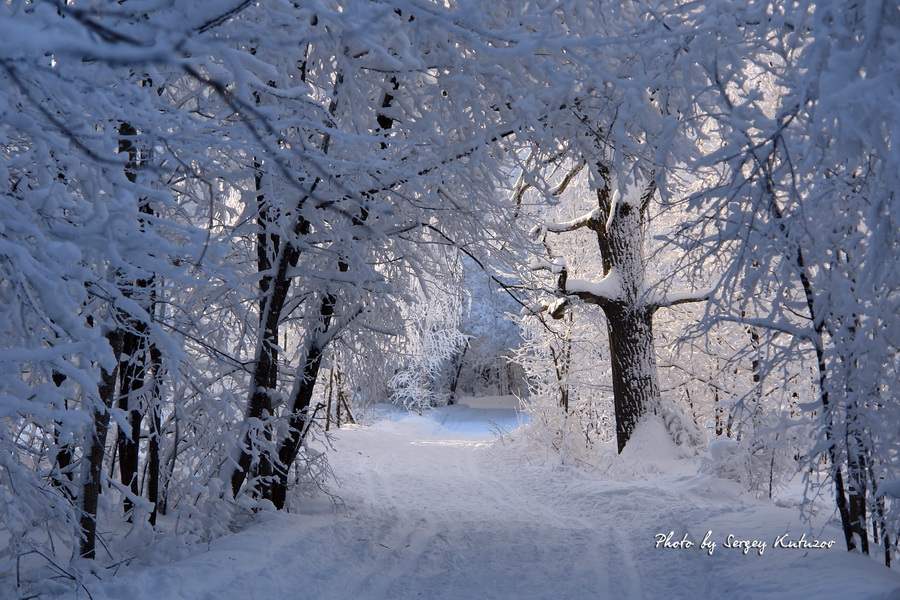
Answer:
[(454, 528), (439, 512)]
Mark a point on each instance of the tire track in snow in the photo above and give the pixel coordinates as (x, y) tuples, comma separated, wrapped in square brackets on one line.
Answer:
[(391, 541), (396, 557), (589, 552), (627, 582), (467, 526), (401, 532), (457, 514)]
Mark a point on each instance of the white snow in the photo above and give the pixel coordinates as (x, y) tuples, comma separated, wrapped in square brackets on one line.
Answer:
[(610, 287), (436, 506)]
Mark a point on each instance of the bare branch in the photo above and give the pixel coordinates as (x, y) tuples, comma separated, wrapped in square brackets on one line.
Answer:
[(648, 193), (224, 17), (567, 180), (782, 325)]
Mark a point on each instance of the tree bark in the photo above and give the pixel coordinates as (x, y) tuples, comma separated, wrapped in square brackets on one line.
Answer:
[(620, 239), (275, 288), (153, 460), (857, 480), (131, 382), (629, 309), (629, 319), (300, 399), (135, 342), (632, 353), (828, 409), (272, 253), (64, 457), (96, 446)]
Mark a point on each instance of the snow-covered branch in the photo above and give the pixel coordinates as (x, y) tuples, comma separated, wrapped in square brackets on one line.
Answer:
[(667, 299), (584, 220), (782, 325), (605, 291), (601, 293)]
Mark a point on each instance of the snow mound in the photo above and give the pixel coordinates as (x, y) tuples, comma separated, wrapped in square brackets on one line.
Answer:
[(651, 450)]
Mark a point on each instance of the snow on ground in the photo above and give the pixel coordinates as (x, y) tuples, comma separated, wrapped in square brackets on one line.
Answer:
[(434, 507)]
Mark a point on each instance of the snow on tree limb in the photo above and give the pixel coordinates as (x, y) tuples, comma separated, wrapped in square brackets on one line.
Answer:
[(781, 325), (584, 220), (545, 265), (667, 299), (605, 291)]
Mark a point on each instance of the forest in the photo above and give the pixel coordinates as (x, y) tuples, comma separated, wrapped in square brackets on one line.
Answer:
[(228, 228)]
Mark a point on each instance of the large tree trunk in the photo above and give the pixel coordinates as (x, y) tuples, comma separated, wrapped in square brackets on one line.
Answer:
[(629, 309), (629, 319), (632, 353), (620, 239)]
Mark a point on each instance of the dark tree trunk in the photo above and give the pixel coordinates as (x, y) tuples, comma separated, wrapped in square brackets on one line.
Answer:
[(135, 342), (328, 403), (857, 480), (819, 344), (561, 364), (131, 382), (620, 229), (274, 289), (460, 363), (153, 460), (633, 360), (299, 402), (629, 319), (96, 446), (63, 453)]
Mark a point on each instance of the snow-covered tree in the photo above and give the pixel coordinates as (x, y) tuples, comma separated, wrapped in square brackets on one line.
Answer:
[(809, 209), (623, 134)]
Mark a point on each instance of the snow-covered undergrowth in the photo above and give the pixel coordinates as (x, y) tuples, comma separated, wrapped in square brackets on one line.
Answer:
[(437, 506)]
